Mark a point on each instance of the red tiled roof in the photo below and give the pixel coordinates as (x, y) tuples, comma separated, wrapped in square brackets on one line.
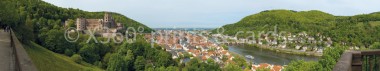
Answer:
[(264, 65), (178, 46), (255, 67), (224, 52), (204, 58), (210, 53), (276, 68)]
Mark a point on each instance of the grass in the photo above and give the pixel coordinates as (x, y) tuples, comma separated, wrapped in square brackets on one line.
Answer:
[(46, 60)]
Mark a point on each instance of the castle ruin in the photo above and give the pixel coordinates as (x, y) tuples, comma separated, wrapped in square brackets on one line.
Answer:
[(98, 24)]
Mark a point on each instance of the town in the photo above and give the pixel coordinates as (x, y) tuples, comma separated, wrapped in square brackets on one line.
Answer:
[(301, 42), (193, 44)]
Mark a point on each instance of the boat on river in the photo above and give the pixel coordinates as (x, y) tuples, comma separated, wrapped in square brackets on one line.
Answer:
[(249, 56)]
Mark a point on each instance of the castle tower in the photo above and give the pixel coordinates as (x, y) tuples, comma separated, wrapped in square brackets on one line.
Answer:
[(81, 24), (108, 20)]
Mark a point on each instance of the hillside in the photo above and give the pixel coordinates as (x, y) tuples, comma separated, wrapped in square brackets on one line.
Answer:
[(358, 30), (42, 24), (284, 19), (37, 9), (28, 17), (46, 60)]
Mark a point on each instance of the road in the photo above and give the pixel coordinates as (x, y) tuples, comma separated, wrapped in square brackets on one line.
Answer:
[(7, 60)]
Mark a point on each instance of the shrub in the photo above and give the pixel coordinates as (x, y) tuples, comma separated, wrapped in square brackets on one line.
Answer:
[(68, 52), (76, 58)]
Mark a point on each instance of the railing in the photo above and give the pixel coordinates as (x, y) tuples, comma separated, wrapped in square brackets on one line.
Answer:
[(359, 61), (22, 60)]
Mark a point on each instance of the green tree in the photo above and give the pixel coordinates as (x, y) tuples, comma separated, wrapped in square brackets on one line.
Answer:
[(106, 59), (121, 61), (375, 45), (76, 58), (232, 67), (325, 63), (172, 68), (89, 53), (139, 64), (196, 64), (300, 65), (55, 41), (240, 62), (70, 23), (164, 59), (9, 12), (117, 63), (68, 52)]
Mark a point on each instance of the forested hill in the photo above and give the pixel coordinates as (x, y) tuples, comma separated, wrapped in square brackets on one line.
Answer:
[(39, 25), (30, 16), (358, 30), (36, 9)]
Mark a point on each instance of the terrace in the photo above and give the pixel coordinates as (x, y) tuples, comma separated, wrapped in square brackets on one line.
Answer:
[(359, 61)]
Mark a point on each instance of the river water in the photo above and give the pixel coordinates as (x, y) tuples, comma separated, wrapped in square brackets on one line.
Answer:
[(267, 56)]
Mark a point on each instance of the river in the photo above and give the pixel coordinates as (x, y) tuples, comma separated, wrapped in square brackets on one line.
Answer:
[(267, 56)]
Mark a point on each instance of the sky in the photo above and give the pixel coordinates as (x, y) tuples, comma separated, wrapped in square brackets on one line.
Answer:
[(212, 13)]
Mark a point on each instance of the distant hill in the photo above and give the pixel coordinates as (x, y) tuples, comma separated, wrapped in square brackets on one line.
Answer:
[(358, 30)]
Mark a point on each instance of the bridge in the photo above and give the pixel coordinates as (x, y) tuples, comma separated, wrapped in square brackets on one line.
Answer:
[(368, 60), (231, 43), (13, 56)]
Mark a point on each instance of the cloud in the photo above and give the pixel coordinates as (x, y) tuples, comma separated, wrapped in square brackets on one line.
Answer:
[(212, 13)]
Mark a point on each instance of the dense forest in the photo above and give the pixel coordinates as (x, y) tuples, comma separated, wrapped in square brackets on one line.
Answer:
[(32, 16), (359, 30)]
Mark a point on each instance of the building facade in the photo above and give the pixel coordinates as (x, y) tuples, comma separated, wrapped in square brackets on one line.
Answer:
[(97, 24)]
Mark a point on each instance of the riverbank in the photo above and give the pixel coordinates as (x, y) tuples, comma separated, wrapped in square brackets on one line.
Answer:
[(281, 50), (268, 56)]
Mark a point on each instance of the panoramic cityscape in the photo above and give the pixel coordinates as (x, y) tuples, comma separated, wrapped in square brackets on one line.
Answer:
[(189, 35)]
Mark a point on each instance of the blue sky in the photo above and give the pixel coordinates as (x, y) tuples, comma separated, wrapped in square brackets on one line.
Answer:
[(212, 13)]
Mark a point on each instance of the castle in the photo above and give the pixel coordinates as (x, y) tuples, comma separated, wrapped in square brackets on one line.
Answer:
[(98, 24)]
